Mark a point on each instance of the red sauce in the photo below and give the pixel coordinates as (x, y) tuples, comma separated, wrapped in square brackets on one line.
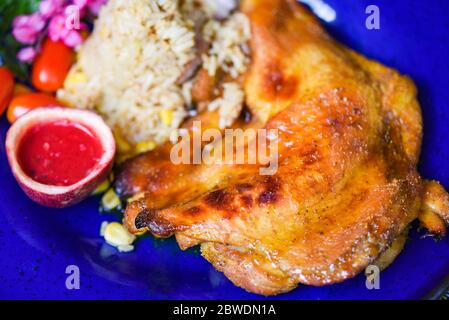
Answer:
[(59, 153)]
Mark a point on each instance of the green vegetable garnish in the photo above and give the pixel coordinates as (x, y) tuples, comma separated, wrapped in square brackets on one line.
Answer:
[(9, 47)]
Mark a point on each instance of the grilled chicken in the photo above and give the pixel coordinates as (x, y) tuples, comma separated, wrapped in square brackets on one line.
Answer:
[(349, 136)]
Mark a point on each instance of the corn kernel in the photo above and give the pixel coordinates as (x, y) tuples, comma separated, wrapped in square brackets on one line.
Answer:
[(122, 145), (104, 33), (78, 54), (117, 235), (77, 77), (102, 187), (125, 248), (145, 146), (166, 116), (103, 227), (110, 200)]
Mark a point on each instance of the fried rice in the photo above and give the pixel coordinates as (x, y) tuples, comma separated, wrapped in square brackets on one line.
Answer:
[(129, 68)]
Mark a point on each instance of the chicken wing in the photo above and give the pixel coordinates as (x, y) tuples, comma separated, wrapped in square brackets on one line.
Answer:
[(349, 136)]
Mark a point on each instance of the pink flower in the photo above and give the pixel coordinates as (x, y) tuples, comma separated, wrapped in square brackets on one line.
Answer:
[(27, 54), (95, 6), (73, 39), (50, 7), (81, 4), (57, 28), (26, 28), (60, 20)]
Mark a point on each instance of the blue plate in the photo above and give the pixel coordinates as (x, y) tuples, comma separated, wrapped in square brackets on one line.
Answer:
[(37, 244)]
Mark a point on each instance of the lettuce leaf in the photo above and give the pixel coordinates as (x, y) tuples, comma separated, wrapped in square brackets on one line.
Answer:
[(9, 47)]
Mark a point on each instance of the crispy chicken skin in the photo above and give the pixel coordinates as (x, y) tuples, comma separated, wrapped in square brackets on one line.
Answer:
[(434, 215), (346, 187)]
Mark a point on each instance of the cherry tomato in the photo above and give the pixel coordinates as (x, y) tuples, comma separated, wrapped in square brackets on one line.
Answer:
[(6, 88), (51, 66), (23, 103)]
